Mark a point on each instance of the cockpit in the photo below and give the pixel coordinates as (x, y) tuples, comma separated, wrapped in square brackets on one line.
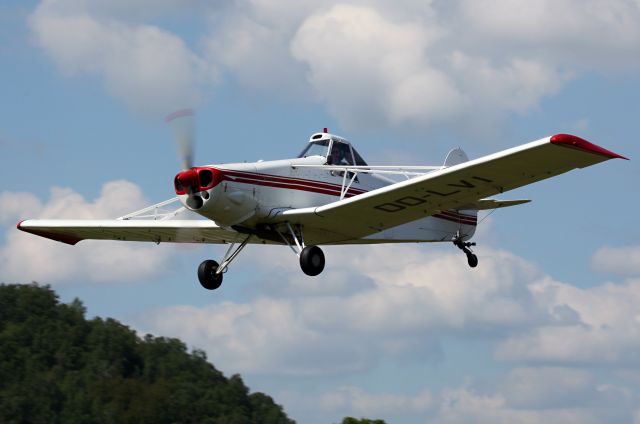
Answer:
[(336, 150)]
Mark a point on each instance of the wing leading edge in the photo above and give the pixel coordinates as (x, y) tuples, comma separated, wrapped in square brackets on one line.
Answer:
[(174, 231), (455, 187)]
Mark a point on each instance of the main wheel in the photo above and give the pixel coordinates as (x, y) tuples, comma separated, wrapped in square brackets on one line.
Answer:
[(312, 260), (472, 260), (207, 275)]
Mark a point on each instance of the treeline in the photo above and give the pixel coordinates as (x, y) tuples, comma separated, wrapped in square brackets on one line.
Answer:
[(58, 367)]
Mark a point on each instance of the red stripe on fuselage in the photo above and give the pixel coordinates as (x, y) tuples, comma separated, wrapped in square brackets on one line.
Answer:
[(457, 218), (290, 180), (288, 183)]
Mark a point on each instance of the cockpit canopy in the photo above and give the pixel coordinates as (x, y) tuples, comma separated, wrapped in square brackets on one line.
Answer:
[(336, 150)]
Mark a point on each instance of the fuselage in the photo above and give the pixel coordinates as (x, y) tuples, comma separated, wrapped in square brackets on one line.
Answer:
[(252, 195)]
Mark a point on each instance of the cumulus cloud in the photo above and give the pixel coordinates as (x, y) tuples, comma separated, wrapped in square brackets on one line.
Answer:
[(410, 297), (368, 68), (523, 395), (150, 69), (414, 65), (403, 302), (354, 401), (605, 327), (548, 387), (464, 405), (257, 54), (623, 261), (26, 257), (566, 33)]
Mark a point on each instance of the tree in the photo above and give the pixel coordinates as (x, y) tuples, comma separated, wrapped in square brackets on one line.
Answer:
[(351, 420), (58, 367)]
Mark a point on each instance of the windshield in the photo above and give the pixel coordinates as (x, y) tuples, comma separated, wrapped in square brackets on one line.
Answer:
[(340, 154), (316, 148), (359, 160)]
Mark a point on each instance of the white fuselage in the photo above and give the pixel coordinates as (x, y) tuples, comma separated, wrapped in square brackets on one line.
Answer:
[(253, 194)]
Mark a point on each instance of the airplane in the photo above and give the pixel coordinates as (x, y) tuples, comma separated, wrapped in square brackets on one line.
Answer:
[(329, 195)]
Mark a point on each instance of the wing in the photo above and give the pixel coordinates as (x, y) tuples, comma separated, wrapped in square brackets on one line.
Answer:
[(174, 231), (455, 187)]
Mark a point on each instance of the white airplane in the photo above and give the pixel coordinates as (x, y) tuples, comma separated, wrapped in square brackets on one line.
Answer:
[(329, 195)]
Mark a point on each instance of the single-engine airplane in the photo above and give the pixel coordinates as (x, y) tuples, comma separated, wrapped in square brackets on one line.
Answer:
[(329, 195)]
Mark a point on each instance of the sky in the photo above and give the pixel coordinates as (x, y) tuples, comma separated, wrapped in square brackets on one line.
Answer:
[(546, 329)]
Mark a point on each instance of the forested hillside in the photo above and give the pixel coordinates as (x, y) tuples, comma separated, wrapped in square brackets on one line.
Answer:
[(58, 367)]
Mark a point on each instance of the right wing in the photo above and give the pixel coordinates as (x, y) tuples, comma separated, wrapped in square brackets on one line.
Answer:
[(71, 231), (453, 188)]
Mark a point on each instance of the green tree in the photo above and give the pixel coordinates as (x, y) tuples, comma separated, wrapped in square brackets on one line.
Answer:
[(351, 420), (58, 367)]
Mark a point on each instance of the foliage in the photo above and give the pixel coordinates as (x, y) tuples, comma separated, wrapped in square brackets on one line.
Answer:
[(58, 367), (351, 420)]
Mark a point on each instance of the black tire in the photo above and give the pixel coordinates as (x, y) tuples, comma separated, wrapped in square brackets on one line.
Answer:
[(312, 260), (472, 260), (207, 275)]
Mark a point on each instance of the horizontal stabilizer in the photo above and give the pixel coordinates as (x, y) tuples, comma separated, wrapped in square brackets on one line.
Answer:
[(485, 204)]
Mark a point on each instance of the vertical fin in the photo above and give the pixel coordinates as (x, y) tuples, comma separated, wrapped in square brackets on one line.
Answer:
[(455, 156)]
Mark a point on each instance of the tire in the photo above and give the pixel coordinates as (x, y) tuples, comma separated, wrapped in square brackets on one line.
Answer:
[(472, 260), (312, 260), (207, 275)]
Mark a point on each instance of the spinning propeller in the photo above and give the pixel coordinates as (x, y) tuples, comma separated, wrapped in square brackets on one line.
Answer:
[(182, 124)]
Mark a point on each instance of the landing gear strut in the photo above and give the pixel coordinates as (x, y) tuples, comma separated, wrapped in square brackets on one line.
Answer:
[(210, 272), (472, 259), (311, 257)]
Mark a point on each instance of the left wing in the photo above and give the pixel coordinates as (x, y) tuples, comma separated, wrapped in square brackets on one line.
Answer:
[(71, 231), (455, 187)]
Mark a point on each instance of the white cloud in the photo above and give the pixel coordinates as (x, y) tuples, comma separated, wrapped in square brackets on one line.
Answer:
[(409, 298), (368, 68), (151, 70), (605, 327), (565, 33), (25, 257), (414, 65), (522, 395), (257, 54), (548, 387), (402, 303), (354, 401), (464, 405), (617, 260)]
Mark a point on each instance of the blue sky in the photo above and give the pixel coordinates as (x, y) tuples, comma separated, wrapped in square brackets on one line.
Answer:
[(545, 329)]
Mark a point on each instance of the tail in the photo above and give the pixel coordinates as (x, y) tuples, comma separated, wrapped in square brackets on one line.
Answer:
[(467, 216), (455, 157)]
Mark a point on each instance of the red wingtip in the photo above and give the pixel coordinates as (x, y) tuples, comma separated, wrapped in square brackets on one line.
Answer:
[(568, 140), (19, 223)]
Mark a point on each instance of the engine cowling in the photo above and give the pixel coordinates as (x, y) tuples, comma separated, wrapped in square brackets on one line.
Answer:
[(205, 190)]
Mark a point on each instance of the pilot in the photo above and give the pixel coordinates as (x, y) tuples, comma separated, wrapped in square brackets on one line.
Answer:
[(338, 155)]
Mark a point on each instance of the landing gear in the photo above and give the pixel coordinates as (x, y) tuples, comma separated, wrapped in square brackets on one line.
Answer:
[(311, 257), (472, 259), (312, 260), (210, 272)]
